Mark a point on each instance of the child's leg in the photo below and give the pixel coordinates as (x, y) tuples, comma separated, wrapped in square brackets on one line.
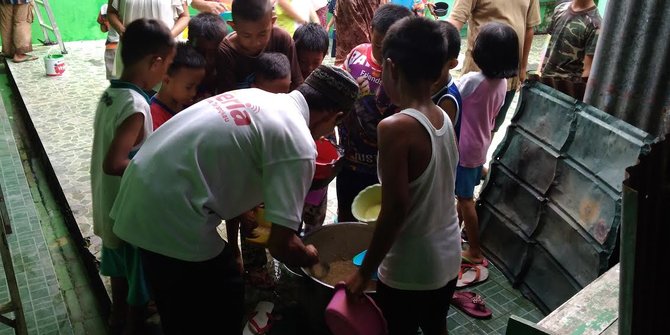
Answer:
[(471, 226), (138, 291), (466, 180), (435, 307), (118, 315), (197, 297), (111, 265), (400, 309), (314, 215)]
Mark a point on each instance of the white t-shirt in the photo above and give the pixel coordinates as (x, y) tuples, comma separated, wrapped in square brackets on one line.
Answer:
[(427, 253), (214, 161), (117, 103), (166, 11)]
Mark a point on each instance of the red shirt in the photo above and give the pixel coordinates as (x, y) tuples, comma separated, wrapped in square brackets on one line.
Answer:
[(160, 113)]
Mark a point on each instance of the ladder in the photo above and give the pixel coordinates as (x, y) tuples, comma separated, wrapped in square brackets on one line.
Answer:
[(14, 304), (51, 27)]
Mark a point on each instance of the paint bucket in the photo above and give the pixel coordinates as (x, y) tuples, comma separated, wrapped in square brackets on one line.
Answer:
[(54, 65)]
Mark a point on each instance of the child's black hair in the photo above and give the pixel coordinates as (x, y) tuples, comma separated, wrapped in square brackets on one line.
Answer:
[(386, 15), (186, 57), (272, 66), (453, 39), (496, 51), (311, 37), (251, 10), (417, 46), (206, 26), (145, 37)]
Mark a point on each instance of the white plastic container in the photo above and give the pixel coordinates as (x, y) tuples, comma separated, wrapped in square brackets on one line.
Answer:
[(54, 65)]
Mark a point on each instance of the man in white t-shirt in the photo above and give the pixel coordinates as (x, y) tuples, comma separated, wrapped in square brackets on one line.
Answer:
[(213, 161)]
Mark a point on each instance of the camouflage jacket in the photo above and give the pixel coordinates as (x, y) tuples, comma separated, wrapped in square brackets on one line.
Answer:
[(573, 36)]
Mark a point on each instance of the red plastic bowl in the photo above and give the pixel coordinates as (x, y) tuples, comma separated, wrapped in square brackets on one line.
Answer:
[(347, 317), (326, 158)]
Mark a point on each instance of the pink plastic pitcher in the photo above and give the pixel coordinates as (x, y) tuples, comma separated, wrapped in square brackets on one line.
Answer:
[(347, 317)]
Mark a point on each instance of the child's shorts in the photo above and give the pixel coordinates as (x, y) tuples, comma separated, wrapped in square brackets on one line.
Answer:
[(466, 180), (124, 261)]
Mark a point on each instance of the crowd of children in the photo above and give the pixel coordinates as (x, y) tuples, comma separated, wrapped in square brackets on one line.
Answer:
[(402, 120)]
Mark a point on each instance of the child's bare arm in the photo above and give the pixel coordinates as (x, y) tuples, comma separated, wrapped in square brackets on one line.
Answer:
[(449, 106), (182, 21), (128, 134), (331, 23), (114, 18), (393, 166), (290, 11)]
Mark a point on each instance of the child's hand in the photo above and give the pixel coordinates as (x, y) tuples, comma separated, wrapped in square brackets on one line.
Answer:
[(363, 85), (356, 284), (214, 7), (312, 254)]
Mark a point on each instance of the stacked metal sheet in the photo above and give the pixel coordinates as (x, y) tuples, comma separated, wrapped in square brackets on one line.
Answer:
[(551, 208)]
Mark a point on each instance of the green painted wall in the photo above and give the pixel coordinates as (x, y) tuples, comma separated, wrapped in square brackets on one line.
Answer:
[(76, 20)]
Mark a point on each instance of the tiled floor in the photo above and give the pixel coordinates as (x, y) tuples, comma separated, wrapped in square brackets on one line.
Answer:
[(62, 110), (43, 303)]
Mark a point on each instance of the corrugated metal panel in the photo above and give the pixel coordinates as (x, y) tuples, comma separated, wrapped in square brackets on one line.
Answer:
[(551, 208), (630, 78), (643, 298)]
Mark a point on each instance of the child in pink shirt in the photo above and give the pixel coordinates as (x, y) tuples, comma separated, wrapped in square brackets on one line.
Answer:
[(483, 93)]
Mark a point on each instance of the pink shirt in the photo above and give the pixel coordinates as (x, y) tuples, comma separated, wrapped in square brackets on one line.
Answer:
[(482, 99)]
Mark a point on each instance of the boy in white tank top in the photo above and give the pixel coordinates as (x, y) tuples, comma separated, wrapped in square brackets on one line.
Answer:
[(416, 248)]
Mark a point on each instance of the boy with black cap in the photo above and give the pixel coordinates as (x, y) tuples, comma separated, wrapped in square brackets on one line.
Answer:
[(221, 158)]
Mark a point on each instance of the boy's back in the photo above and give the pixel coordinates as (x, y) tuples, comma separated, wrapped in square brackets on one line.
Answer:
[(118, 102), (427, 248), (482, 99), (235, 69)]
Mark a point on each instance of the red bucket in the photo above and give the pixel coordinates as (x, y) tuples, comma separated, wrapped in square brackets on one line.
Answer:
[(327, 157)]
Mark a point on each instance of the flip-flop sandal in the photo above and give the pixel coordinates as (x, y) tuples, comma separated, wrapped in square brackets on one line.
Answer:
[(471, 274), (261, 319), (471, 304), (484, 263)]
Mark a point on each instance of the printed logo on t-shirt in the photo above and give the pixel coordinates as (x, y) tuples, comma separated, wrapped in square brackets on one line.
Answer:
[(232, 109), (358, 132)]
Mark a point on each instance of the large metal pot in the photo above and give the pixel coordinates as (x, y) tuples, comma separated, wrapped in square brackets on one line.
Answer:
[(334, 242)]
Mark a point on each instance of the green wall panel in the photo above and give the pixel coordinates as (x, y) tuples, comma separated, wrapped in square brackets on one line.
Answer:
[(76, 20)]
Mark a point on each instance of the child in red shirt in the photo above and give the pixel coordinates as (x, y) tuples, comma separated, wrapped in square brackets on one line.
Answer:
[(179, 86)]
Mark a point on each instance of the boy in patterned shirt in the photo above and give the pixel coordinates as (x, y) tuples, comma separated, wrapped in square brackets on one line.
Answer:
[(358, 131), (574, 30)]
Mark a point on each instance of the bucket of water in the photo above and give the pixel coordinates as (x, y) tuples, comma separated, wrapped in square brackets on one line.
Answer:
[(54, 65)]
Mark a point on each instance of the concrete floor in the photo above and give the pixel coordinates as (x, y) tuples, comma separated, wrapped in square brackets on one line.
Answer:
[(61, 110)]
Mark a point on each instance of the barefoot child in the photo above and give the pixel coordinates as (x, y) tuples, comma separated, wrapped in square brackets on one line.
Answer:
[(496, 53), (122, 123), (416, 245)]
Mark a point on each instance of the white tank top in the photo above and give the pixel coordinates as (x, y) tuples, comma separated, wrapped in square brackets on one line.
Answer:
[(427, 253)]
